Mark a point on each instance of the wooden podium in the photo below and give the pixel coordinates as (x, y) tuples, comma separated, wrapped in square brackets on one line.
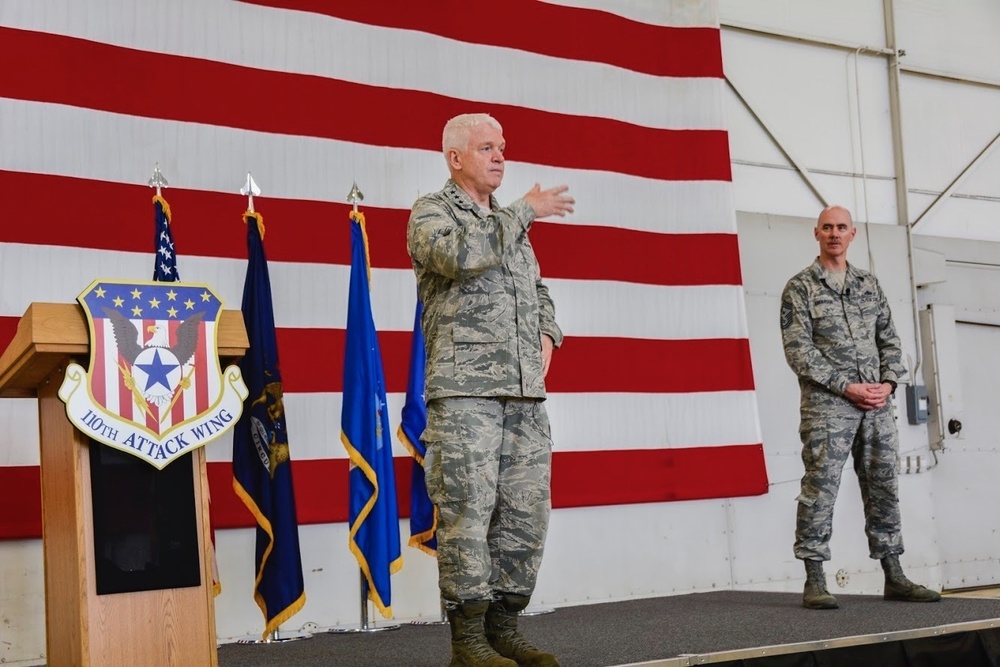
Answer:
[(174, 626)]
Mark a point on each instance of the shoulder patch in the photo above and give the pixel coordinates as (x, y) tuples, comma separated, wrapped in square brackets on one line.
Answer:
[(786, 314)]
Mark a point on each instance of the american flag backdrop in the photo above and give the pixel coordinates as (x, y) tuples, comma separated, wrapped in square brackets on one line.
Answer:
[(651, 397)]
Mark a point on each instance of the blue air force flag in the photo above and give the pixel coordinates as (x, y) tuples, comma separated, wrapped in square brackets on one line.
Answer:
[(413, 420), (373, 514)]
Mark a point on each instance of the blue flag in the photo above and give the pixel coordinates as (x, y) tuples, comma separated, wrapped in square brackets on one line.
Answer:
[(373, 514), (262, 469), (165, 267), (423, 514)]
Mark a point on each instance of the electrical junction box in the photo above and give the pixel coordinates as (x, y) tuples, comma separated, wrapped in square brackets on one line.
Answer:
[(916, 404)]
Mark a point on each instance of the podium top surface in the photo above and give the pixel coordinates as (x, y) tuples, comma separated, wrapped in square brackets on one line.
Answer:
[(50, 333)]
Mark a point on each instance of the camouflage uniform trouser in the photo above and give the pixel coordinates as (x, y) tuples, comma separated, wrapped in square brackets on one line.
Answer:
[(829, 433), (487, 467)]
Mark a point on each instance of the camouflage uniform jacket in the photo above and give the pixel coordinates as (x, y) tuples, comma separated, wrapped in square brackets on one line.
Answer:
[(485, 306), (833, 338)]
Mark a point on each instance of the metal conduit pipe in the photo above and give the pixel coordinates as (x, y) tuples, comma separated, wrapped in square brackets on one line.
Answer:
[(902, 205)]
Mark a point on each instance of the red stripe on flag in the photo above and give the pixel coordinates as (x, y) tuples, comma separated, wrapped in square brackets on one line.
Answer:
[(526, 25), (627, 255), (177, 412), (126, 402), (99, 389), (153, 410), (201, 371), (81, 73), (581, 479), (8, 327), (21, 496), (580, 365), (651, 366), (578, 479), (595, 364), (599, 252)]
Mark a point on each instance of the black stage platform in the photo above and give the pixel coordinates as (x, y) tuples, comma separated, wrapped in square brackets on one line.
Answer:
[(723, 628)]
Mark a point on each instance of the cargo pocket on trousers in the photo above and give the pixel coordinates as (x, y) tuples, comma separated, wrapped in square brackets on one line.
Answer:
[(446, 472), (803, 499)]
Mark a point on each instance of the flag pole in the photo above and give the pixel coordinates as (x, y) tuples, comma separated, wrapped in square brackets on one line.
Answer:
[(248, 190), (158, 180), (354, 197)]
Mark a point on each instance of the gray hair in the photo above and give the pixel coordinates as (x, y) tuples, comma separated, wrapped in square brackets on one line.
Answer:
[(457, 130)]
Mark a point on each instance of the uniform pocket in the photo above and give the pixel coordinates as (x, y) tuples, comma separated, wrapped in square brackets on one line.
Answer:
[(827, 318), (470, 335), (446, 472), (480, 352), (446, 469)]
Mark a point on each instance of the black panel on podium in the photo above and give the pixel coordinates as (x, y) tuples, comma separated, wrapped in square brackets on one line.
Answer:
[(145, 526)]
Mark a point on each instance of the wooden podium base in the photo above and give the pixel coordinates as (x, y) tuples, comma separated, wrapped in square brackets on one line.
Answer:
[(175, 625), (168, 627)]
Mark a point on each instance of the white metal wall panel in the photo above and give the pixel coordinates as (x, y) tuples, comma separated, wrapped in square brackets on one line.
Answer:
[(808, 93), (960, 217), (830, 111), (973, 289), (965, 489), (946, 124), (949, 36), (966, 493), (851, 21)]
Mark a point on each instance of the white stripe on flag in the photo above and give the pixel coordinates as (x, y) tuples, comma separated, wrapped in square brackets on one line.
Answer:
[(314, 295), (642, 421), (305, 43), (68, 141)]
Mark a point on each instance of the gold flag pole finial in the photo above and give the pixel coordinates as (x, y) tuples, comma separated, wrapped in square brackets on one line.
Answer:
[(248, 190), (158, 180), (355, 196)]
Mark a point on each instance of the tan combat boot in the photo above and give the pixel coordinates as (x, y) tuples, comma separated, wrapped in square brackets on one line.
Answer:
[(898, 587), (501, 631), (815, 595), (469, 647)]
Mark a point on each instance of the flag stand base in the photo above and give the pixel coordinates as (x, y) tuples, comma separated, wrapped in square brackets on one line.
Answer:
[(443, 620), (277, 637), (536, 611), (364, 626)]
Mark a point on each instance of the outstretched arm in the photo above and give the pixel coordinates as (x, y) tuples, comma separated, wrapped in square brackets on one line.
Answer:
[(458, 250)]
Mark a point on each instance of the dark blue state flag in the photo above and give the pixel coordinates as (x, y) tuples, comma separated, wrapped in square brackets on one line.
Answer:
[(373, 513), (423, 514), (262, 469)]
